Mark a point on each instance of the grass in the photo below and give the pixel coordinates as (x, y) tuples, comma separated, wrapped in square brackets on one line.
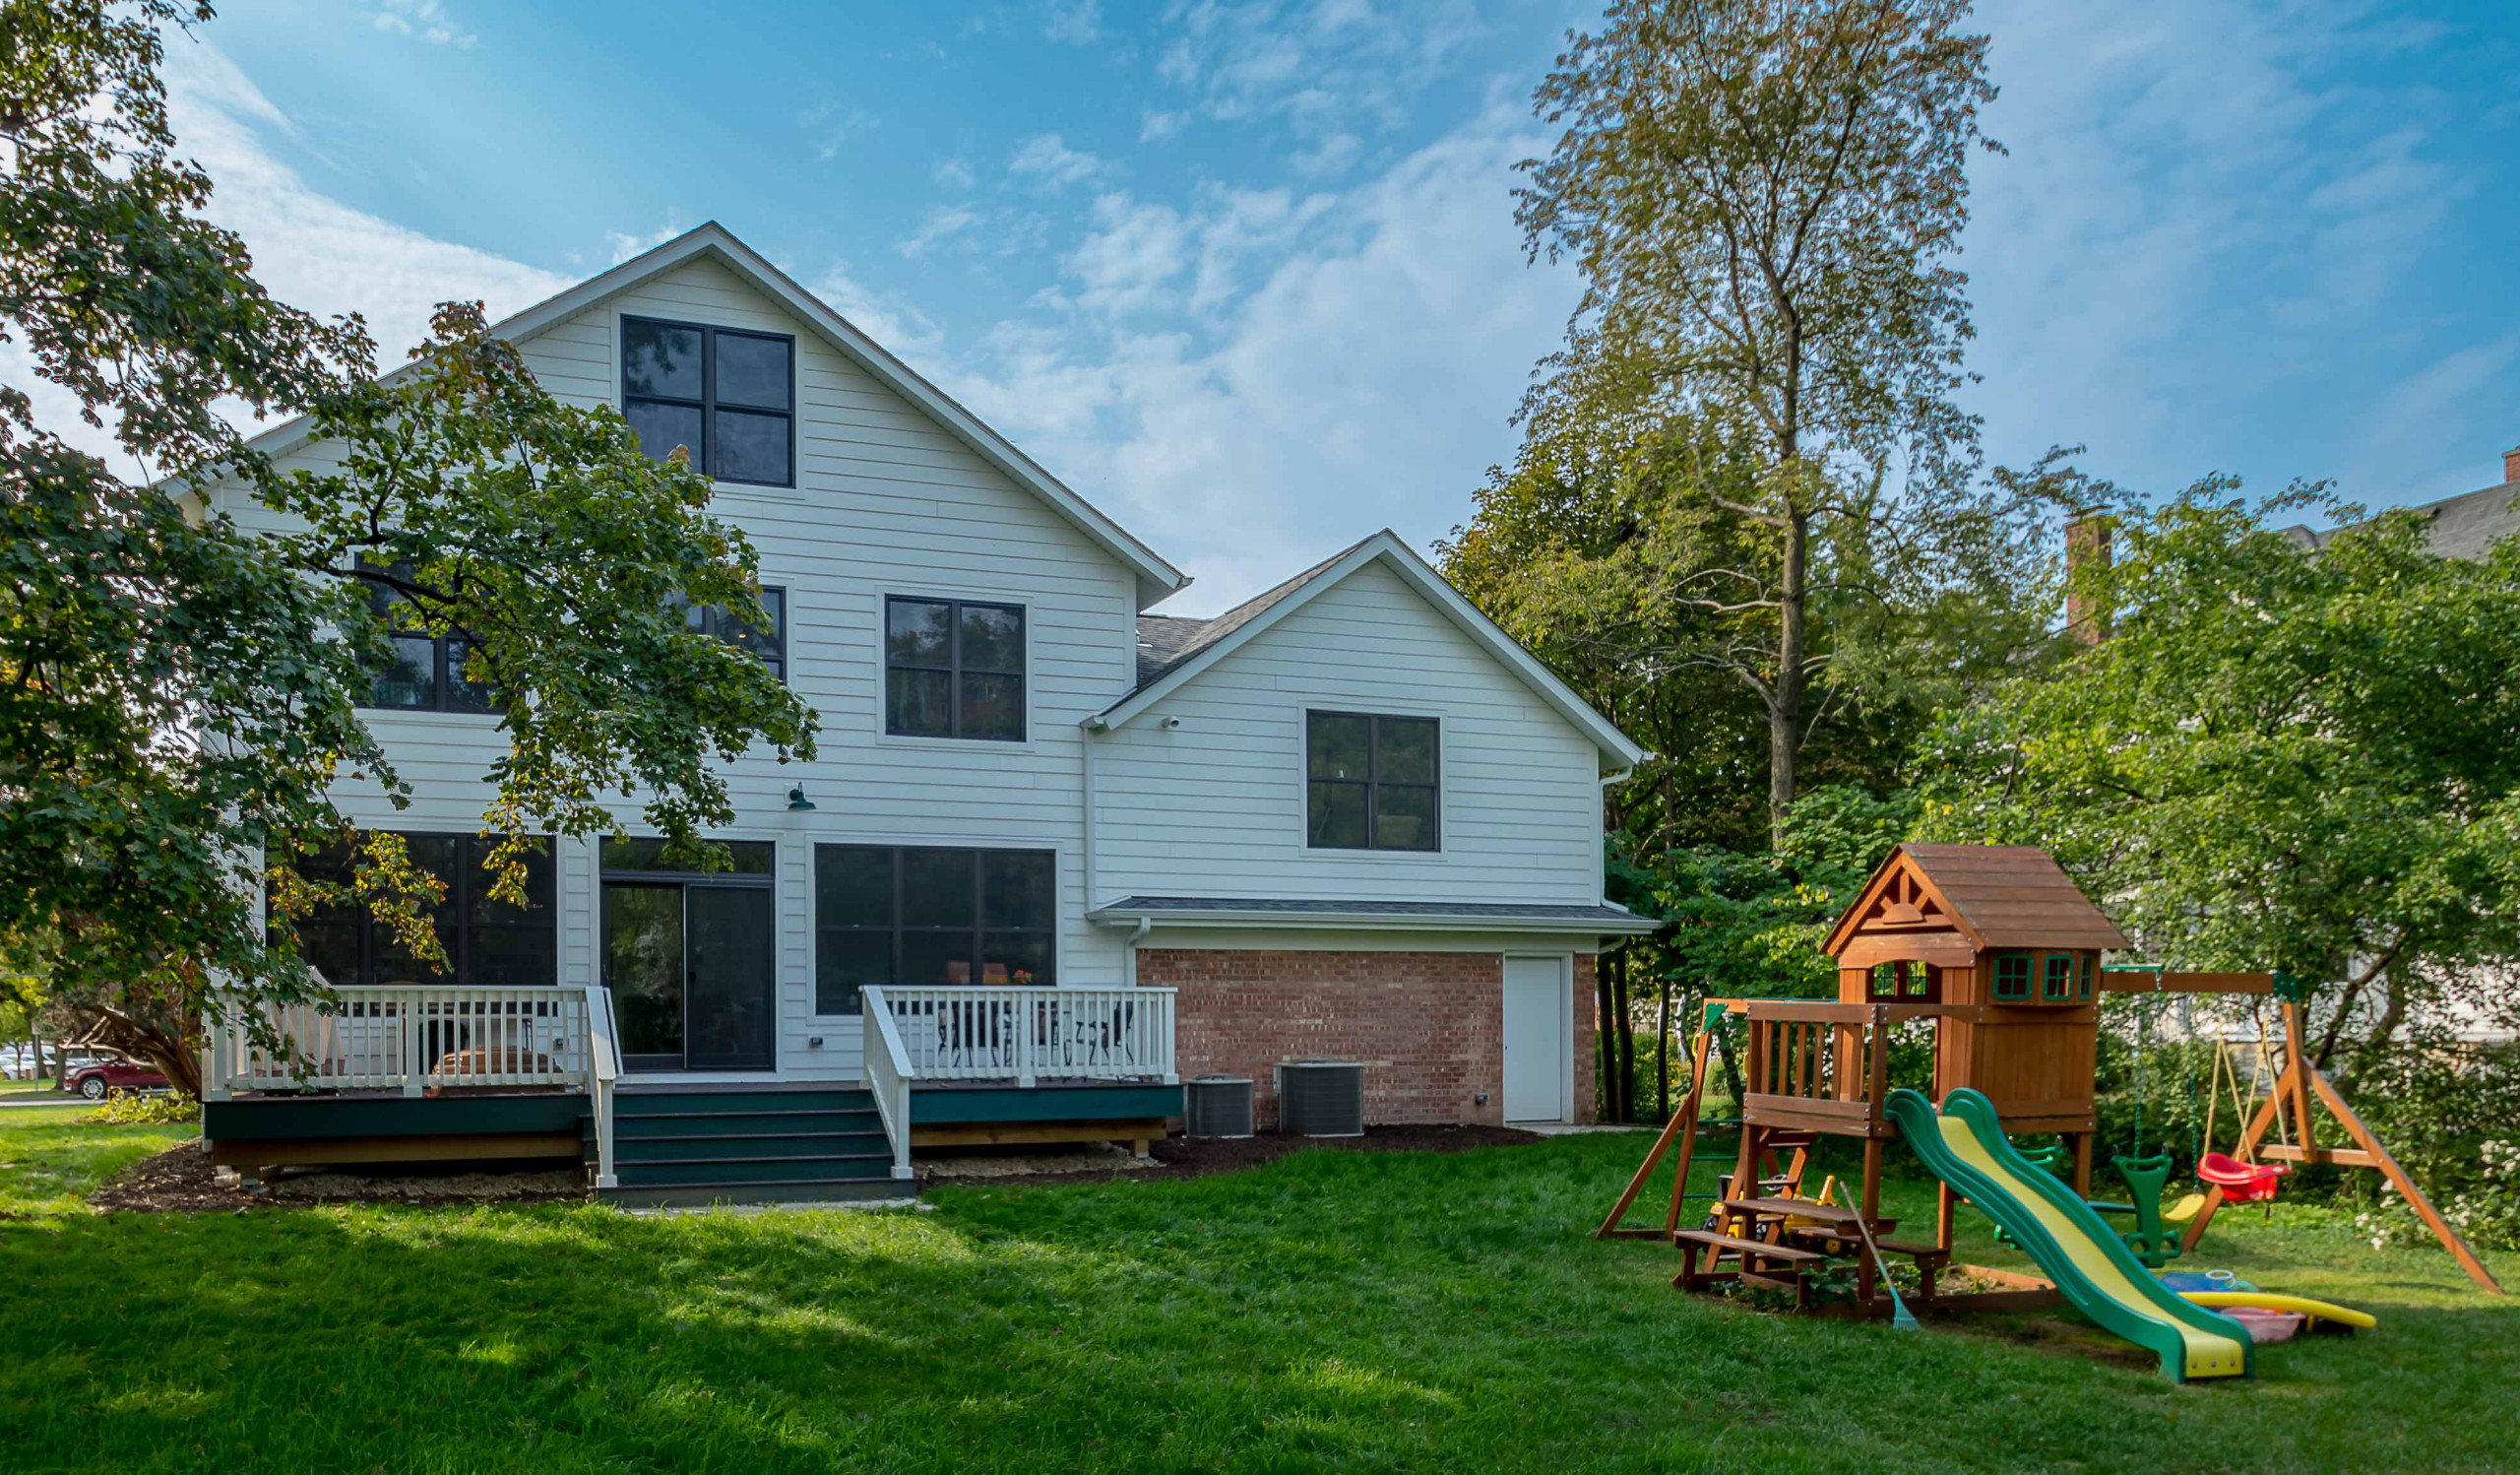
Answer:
[(33, 1090), (1331, 1312), (48, 1161)]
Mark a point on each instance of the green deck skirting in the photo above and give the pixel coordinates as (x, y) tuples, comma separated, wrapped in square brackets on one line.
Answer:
[(307, 1117), (961, 1105)]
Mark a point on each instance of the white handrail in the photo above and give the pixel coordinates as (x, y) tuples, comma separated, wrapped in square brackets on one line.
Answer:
[(408, 1037), (1028, 1035), (603, 1067), (889, 1072)]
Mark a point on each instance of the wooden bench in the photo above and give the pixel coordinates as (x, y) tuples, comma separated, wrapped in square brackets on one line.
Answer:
[(1755, 1257)]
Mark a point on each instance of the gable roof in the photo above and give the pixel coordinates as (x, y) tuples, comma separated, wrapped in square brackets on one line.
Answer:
[(1156, 578), (2466, 526), (1995, 895), (1215, 639)]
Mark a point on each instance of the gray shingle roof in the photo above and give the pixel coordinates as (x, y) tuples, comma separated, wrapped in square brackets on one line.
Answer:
[(2462, 526), (1501, 913), (1165, 641)]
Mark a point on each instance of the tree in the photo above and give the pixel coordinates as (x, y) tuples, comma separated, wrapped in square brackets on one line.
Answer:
[(2278, 757), (1763, 197), (179, 697)]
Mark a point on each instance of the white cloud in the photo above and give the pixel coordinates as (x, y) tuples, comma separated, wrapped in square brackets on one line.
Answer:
[(1046, 158), (834, 128), (1159, 127), (943, 222), (625, 244), (1077, 23), (953, 173), (1344, 362), (425, 19)]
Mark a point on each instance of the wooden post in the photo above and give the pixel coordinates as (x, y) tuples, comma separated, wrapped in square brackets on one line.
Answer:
[(2299, 1048), (2082, 1164), (1945, 1202), (2388, 1164), (1688, 1136), (1682, 1129)]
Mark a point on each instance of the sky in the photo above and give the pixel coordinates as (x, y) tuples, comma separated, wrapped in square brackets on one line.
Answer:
[(1246, 277)]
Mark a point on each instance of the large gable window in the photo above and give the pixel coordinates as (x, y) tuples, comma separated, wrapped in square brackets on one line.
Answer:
[(913, 915), (1370, 781), (727, 395), (953, 668), (488, 942)]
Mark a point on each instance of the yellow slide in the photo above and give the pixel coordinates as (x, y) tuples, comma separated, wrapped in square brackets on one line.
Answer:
[(2269, 1301), (1964, 1145)]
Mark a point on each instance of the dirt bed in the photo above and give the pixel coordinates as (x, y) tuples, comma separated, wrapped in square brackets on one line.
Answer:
[(1198, 1157), (181, 1180)]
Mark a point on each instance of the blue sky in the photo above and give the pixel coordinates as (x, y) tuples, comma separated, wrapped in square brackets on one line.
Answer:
[(1247, 278)]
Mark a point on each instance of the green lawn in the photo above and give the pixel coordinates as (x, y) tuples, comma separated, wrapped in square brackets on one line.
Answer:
[(48, 1161), (1333, 1311)]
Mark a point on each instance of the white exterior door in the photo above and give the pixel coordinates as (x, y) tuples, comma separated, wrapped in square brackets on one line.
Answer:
[(1538, 1056)]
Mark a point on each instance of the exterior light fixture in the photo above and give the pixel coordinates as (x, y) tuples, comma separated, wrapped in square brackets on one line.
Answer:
[(796, 800)]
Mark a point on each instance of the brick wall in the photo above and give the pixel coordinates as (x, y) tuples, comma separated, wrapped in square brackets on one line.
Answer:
[(1588, 1049), (1429, 1026)]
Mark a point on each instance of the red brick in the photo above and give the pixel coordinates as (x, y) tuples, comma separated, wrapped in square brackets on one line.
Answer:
[(1429, 1026)]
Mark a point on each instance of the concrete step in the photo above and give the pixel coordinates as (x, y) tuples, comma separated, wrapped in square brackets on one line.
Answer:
[(691, 1195), (693, 1171)]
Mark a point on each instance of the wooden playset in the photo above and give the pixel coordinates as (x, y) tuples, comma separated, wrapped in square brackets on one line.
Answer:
[(1998, 948)]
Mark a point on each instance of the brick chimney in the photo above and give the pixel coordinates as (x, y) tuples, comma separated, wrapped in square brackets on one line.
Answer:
[(2086, 543), (2511, 465)]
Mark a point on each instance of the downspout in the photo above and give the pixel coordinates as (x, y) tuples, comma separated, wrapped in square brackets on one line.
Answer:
[(1129, 965)]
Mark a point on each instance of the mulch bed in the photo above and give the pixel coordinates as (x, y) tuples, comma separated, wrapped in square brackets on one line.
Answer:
[(1199, 1157), (182, 1180)]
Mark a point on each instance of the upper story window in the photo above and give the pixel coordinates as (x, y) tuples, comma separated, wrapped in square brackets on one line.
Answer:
[(1370, 782), (769, 645), (423, 672), (727, 394), (487, 943), (953, 668)]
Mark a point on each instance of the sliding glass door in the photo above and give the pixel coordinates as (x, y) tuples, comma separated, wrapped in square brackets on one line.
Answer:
[(691, 959)]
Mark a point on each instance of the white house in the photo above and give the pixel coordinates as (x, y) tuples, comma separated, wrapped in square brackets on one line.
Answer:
[(1055, 854)]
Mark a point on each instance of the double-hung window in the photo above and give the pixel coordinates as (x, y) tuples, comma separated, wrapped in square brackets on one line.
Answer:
[(1370, 781), (918, 915), (488, 942), (953, 668), (769, 645), (727, 394), (422, 672)]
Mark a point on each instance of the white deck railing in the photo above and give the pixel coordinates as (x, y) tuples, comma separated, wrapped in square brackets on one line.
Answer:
[(888, 1076), (1032, 1034), (410, 1037)]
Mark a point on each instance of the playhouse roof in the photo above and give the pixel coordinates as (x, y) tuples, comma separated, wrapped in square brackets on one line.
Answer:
[(1994, 895)]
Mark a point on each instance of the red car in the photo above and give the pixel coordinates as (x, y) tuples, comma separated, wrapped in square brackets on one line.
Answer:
[(95, 1078)]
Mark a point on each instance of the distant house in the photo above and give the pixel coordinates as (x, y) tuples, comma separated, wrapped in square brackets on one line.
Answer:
[(1056, 855), (2463, 526)]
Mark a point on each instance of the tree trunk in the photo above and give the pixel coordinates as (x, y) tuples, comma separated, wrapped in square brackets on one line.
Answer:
[(1662, 1054), (1784, 698), (1626, 1043), (168, 1052)]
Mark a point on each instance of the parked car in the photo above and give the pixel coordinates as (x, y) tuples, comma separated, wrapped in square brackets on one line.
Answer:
[(104, 1073), (19, 1062)]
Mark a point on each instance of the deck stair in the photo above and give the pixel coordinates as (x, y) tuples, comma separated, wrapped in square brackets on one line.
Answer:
[(749, 1145)]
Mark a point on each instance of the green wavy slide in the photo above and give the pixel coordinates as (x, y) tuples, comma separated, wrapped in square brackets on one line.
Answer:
[(1964, 1145)]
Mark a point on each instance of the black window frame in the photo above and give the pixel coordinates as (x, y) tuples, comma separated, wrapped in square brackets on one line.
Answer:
[(705, 454), (770, 647), (466, 887), (954, 669), (897, 928), (1374, 783), (448, 690)]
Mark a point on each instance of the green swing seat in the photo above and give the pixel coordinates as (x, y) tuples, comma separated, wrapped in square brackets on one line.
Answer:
[(2146, 1177)]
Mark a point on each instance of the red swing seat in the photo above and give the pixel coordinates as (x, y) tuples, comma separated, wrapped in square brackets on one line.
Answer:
[(2240, 1183)]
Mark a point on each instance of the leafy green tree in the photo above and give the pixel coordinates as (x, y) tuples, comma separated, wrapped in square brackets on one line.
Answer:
[(2278, 757), (1764, 198), (178, 696)]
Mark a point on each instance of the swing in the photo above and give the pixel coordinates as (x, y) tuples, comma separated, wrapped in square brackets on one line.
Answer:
[(2146, 1176), (2240, 1181)]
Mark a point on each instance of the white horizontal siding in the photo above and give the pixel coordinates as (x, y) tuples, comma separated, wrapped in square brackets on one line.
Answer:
[(886, 502), (1216, 807)]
